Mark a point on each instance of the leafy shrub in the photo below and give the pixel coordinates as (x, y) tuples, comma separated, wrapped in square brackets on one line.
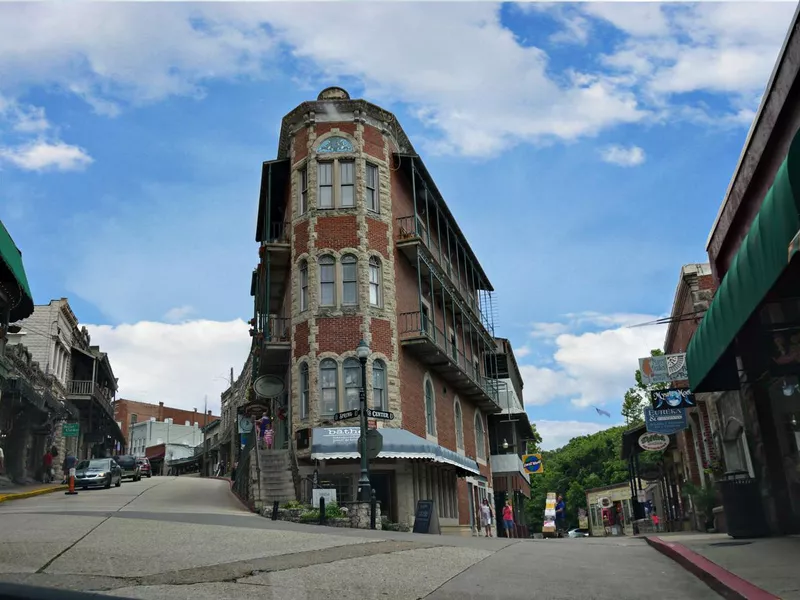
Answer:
[(293, 504)]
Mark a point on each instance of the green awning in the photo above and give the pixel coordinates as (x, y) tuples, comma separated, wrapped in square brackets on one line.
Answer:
[(756, 267), (12, 274)]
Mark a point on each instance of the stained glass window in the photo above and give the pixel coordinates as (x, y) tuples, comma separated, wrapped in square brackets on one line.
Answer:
[(335, 144)]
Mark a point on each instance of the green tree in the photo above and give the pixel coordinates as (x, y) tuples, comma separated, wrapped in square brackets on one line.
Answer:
[(533, 444), (633, 405)]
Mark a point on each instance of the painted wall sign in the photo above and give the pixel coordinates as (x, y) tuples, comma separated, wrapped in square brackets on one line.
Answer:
[(532, 463), (666, 421), (653, 442), (672, 398), (663, 369)]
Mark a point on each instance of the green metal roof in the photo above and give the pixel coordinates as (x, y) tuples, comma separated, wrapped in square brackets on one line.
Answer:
[(13, 272), (761, 259)]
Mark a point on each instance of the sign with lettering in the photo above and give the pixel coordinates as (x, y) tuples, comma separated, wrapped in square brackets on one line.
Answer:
[(426, 519), (672, 398), (70, 429), (667, 420), (380, 414), (663, 369), (653, 442), (348, 414), (532, 463)]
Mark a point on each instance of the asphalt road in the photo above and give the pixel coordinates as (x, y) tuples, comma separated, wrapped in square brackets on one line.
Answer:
[(190, 538)]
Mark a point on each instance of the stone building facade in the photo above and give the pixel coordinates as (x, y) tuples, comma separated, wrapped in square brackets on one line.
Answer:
[(374, 254)]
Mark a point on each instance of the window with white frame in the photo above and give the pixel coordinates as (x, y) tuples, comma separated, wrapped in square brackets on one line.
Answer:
[(327, 281), (329, 386), (375, 298), (347, 183), (304, 391), (349, 280), (304, 285), (372, 199), (379, 399), (352, 383), (303, 205), (459, 419), (325, 181), (430, 409), (480, 437)]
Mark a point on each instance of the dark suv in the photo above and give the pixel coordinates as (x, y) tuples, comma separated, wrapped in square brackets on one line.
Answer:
[(130, 468)]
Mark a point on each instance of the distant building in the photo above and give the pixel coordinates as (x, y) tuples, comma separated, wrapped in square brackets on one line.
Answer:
[(129, 412), (146, 434)]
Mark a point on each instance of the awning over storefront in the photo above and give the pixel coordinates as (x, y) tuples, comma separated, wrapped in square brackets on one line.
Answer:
[(756, 267), (342, 443), (12, 272)]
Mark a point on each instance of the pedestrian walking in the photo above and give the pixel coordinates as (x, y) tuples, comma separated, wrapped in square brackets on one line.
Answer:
[(561, 515), (47, 467), (486, 518), (68, 466), (508, 518), (269, 436)]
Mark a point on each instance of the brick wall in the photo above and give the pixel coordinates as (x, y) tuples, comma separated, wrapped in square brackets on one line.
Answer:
[(144, 411), (336, 232)]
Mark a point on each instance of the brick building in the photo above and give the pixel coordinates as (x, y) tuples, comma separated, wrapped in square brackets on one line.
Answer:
[(356, 242), (129, 412)]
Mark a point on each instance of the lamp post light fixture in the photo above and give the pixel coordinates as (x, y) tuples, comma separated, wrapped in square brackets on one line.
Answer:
[(364, 487)]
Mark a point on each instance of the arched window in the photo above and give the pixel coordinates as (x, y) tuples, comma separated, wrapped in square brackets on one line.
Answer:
[(480, 437), (352, 383), (459, 419), (375, 296), (327, 281), (379, 399), (335, 144), (303, 285), (304, 391), (349, 280), (329, 386), (430, 408)]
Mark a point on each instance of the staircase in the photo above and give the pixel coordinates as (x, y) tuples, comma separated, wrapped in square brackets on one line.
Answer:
[(276, 481)]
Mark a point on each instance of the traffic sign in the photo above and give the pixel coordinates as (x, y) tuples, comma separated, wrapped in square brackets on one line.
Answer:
[(374, 443), (380, 414), (70, 429), (348, 414)]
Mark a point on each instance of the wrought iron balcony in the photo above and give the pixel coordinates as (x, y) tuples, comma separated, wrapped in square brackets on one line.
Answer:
[(431, 346), (86, 390), (274, 338)]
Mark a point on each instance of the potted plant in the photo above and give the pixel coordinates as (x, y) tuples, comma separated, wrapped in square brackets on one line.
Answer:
[(704, 499)]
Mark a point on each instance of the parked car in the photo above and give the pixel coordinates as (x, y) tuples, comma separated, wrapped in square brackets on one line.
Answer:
[(129, 466), (578, 533), (98, 471), (144, 467)]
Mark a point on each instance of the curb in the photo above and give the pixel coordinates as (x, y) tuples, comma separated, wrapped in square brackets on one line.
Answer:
[(718, 579), (32, 493)]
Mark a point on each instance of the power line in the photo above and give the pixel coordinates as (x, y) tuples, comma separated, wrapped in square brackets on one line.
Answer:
[(667, 320)]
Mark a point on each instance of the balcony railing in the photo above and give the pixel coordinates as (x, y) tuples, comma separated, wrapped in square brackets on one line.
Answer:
[(416, 324), (90, 388), (408, 232), (279, 233), (279, 329)]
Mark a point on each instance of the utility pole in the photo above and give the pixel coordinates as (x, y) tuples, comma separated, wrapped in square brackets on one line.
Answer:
[(205, 445)]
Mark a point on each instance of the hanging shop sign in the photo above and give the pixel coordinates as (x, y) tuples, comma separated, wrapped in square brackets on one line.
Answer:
[(532, 463), (666, 421), (653, 442), (70, 429), (245, 424), (269, 386), (672, 398), (663, 369)]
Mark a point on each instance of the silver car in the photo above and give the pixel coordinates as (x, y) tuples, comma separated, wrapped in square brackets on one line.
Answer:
[(96, 472)]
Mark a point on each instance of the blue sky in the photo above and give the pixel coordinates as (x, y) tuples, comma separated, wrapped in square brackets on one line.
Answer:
[(584, 148)]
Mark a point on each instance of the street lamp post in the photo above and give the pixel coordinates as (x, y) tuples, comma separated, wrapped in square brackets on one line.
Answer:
[(364, 487)]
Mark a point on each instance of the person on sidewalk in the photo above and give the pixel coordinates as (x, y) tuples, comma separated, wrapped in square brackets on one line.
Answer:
[(269, 435), (47, 467), (486, 518), (508, 519), (561, 515), (69, 466)]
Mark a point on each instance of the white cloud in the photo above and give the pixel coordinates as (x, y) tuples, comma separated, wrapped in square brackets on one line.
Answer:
[(594, 367), (522, 351), (179, 313), (42, 155), (175, 364), (621, 156), (556, 434)]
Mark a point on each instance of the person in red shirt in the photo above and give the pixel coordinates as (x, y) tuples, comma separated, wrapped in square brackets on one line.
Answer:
[(508, 518), (47, 463)]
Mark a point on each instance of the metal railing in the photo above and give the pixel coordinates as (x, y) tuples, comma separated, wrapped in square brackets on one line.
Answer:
[(279, 233), (416, 324), (90, 388), (279, 329), (408, 231), (242, 484)]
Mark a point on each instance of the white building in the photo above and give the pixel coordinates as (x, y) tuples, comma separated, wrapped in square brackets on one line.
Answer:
[(153, 433)]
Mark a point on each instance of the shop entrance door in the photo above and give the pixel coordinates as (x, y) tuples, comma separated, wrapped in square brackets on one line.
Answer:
[(382, 483)]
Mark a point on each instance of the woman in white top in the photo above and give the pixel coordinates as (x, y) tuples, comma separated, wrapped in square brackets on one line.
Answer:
[(486, 517)]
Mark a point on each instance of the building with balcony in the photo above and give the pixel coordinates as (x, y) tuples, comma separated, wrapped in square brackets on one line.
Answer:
[(81, 374), (356, 242), (509, 432)]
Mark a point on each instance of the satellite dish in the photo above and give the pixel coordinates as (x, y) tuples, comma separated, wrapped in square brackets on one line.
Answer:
[(268, 386)]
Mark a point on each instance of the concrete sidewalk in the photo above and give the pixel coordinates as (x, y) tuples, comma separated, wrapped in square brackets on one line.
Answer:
[(759, 568), (29, 491)]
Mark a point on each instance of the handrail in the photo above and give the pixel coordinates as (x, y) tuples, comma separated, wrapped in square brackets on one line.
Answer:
[(412, 324), (279, 233), (90, 388)]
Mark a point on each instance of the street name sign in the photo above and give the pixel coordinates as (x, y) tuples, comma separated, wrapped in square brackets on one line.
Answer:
[(380, 414), (348, 414)]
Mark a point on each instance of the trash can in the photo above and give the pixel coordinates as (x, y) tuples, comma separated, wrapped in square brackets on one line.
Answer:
[(744, 510)]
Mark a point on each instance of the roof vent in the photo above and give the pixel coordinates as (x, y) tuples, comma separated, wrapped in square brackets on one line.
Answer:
[(333, 93)]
